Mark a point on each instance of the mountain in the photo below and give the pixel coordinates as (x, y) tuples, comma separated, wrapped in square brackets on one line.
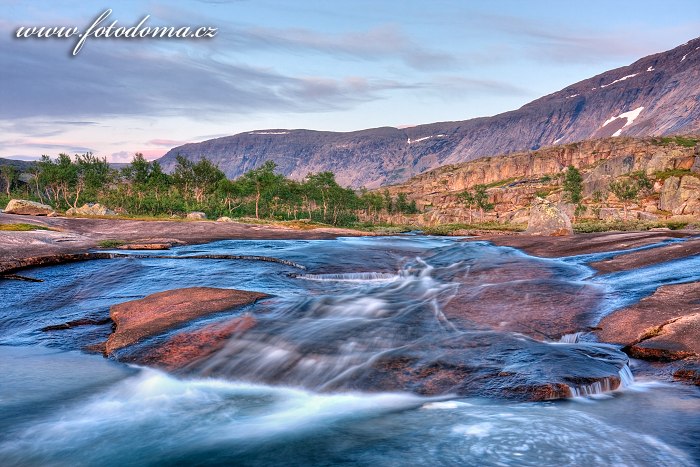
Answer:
[(657, 95)]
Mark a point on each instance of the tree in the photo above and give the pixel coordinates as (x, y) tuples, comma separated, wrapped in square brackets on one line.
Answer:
[(468, 199), (481, 198), (10, 176), (643, 182), (573, 185), (196, 180), (625, 191), (262, 182), (573, 189)]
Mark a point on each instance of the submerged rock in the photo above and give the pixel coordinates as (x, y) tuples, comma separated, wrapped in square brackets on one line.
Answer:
[(28, 208), (546, 218), (186, 348), (159, 312)]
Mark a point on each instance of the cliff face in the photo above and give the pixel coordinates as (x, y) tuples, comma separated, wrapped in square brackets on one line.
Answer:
[(516, 179), (657, 95)]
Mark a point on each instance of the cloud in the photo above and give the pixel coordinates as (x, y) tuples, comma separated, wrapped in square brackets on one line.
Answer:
[(380, 43), (106, 80), (166, 142), (482, 86)]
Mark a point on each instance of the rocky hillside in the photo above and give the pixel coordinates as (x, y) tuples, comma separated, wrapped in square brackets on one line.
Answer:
[(671, 164), (657, 95)]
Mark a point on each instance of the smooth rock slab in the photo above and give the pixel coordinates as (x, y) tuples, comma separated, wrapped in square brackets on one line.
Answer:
[(138, 319), (664, 326)]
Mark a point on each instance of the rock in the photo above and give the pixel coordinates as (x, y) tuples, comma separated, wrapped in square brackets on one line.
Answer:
[(495, 365), (197, 215), (28, 208), (187, 348), (91, 209), (647, 216), (610, 214), (689, 372), (224, 219), (675, 340), (681, 196), (139, 319), (664, 326), (649, 257), (547, 219)]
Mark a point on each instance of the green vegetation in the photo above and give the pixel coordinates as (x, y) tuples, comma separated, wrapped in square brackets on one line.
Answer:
[(143, 189), (500, 183), (683, 141), (451, 229), (21, 227), (590, 226), (664, 174), (8, 178), (573, 189), (477, 198), (638, 184), (110, 243)]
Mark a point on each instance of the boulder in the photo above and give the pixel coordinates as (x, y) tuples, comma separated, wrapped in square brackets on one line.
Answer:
[(546, 218), (224, 219), (28, 208), (91, 209), (139, 319), (197, 215)]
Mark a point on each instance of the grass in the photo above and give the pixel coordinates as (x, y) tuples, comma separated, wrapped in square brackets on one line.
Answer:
[(21, 227), (683, 141), (110, 243), (591, 226), (664, 174), (450, 229), (500, 183)]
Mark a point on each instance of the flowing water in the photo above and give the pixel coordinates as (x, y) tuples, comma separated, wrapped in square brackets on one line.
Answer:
[(309, 385)]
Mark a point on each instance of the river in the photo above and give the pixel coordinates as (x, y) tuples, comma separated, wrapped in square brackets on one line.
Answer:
[(303, 388)]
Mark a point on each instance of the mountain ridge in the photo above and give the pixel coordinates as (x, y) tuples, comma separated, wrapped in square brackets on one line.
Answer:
[(656, 95)]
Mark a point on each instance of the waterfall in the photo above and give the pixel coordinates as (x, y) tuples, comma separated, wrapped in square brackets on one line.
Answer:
[(351, 277), (570, 338), (605, 385)]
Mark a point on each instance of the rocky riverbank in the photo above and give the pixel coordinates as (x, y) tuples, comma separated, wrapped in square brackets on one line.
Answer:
[(70, 239)]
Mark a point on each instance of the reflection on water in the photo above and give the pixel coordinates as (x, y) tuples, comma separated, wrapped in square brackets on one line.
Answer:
[(359, 296)]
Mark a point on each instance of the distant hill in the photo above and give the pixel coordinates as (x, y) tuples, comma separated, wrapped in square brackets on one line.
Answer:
[(20, 165), (657, 95)]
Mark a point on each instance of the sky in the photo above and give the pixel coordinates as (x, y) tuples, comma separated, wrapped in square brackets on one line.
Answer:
[(324, 65)]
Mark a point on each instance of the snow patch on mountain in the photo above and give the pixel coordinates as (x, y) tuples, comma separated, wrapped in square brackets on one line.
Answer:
[(412, 141), (618, 80), (630, 116)]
